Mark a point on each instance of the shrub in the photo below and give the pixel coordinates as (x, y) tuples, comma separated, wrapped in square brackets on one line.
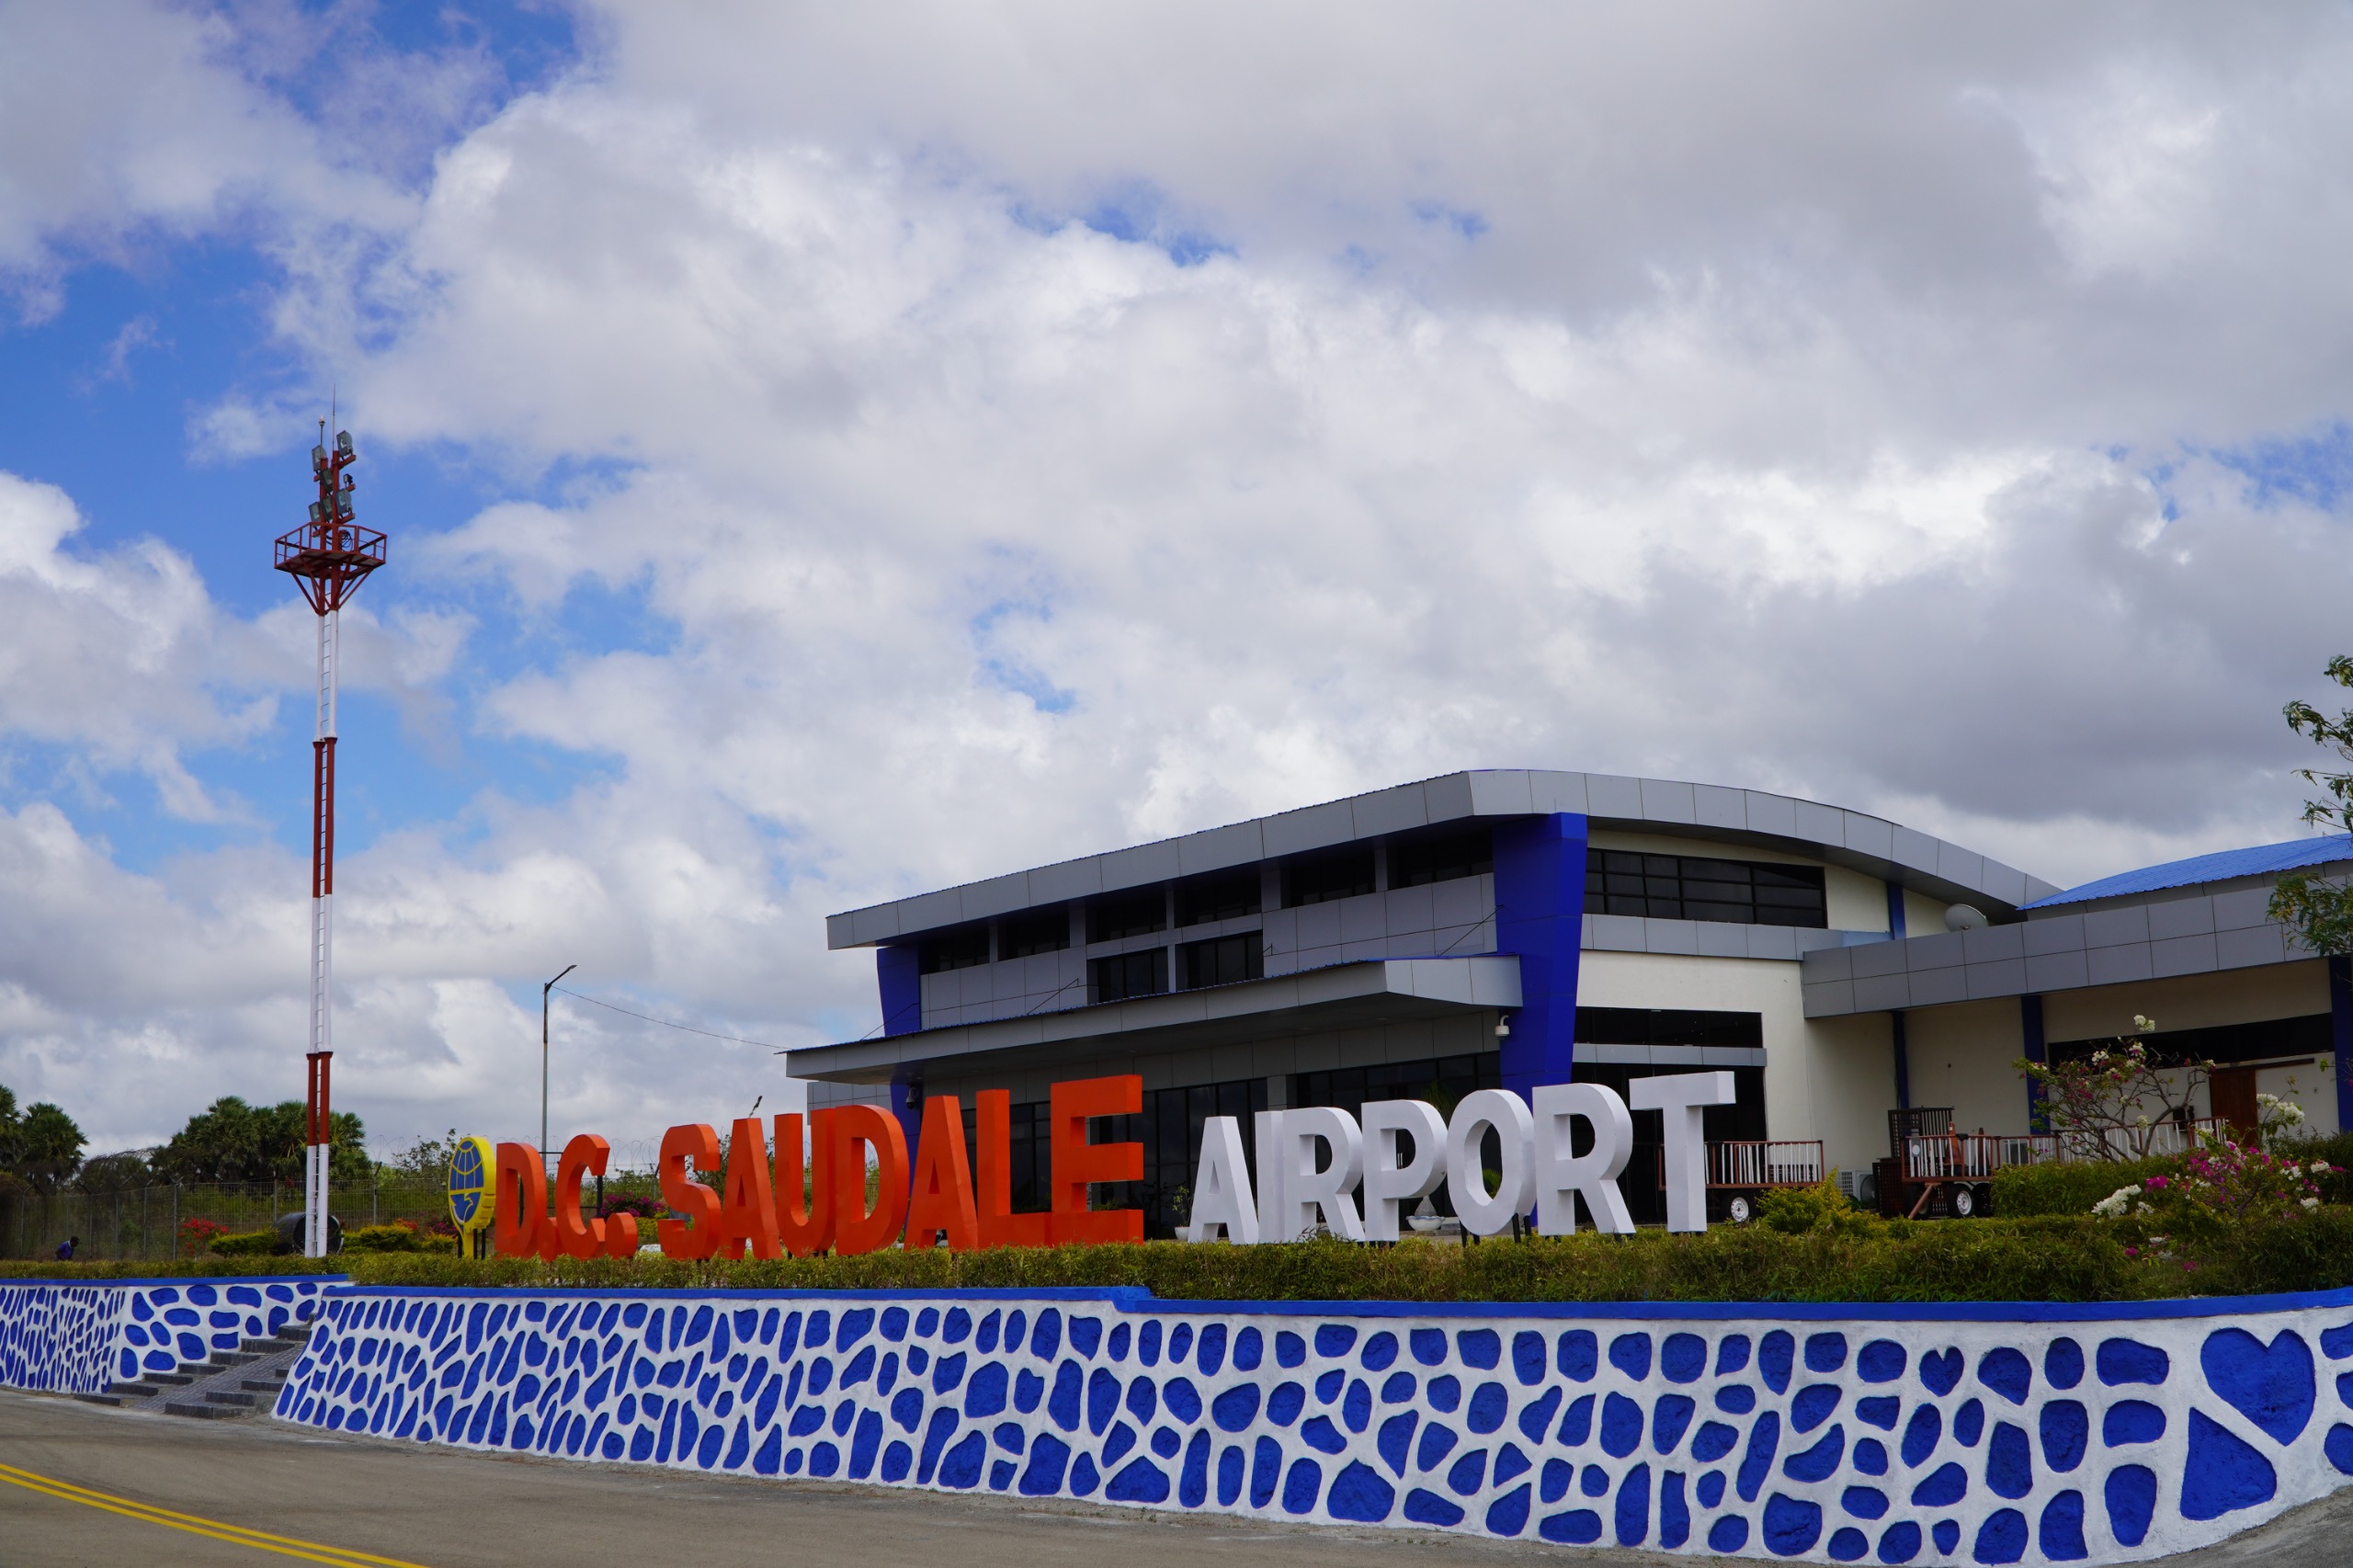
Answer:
[(197, 1235), (248, 1243), (2335, 1150), (1794, 1211), (2071, 1257), (2072, 1188), (397, 1236)]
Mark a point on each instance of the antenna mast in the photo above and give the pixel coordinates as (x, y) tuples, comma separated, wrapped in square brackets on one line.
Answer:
[(328, 557)]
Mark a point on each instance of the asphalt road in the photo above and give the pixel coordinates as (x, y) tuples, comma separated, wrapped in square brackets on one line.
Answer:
[(340, 1500)]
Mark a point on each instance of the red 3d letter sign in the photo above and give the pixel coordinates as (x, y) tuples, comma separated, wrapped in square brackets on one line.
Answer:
[(811, 1194), (1320, 1166)]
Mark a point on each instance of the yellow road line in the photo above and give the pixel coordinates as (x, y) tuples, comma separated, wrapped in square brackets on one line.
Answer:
[(237, 1535)]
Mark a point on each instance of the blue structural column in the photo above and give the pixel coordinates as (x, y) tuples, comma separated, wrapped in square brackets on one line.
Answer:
[(2340, 1035), (897, 972), (1895, 910), (2036, 1051), (1540, 915)]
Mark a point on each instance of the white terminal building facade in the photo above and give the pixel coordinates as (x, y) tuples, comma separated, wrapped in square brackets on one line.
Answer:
[(1514, 929)]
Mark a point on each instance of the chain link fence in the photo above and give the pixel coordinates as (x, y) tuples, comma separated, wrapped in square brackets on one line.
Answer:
[(149, 1221)]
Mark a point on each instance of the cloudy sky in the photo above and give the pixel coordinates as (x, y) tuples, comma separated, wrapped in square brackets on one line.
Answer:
[(836, 451)]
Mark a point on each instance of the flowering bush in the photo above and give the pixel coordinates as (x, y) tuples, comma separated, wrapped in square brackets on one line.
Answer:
[(196, 1236), (2222, 1191)]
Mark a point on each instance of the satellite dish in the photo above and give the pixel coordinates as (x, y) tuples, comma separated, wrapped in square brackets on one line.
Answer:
[(1964, 917)]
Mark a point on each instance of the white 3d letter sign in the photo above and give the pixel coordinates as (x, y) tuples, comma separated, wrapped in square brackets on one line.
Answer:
[(1561, 1175), (1682, 1097), (1315, 1160)]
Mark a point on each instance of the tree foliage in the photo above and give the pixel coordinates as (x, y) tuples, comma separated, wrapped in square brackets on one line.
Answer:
[(49, 1147), (2320, 909), (234, 1142)]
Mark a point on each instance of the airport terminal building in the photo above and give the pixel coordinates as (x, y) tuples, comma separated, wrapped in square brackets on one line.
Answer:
[(1514, 929)]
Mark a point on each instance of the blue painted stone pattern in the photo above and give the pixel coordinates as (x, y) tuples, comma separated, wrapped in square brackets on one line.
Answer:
[(1882, 1441), (65, 1337)]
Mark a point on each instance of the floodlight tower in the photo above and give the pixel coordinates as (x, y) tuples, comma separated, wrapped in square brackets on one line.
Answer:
[(328, 557)]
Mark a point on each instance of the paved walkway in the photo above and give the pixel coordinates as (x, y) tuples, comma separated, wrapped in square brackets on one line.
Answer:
[(83, 1484)]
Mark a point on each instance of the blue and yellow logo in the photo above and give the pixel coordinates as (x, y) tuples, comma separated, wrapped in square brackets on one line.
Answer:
[(473, 1179)]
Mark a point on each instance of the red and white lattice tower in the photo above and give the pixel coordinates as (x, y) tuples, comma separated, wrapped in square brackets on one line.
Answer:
[(328, 557)]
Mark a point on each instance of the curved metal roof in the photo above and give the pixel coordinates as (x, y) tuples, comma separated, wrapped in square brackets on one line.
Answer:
[(2223, 866), (1868, 844)]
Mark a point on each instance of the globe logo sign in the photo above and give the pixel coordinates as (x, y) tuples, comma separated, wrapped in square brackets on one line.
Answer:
[(472, 1182)]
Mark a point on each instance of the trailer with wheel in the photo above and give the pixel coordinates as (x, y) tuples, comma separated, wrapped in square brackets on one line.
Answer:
[(1740, 1172)]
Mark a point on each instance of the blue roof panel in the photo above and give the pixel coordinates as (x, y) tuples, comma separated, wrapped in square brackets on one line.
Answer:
[(2264, 859)]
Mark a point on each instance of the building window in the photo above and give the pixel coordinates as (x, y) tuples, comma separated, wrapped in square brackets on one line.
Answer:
[(1038, 931), (1687, 887), (1226, 896), (955, 949), (1221, 960), (1669, 1025), (1323, 878), (1127, 914), (1415, 863), (1124, 975)]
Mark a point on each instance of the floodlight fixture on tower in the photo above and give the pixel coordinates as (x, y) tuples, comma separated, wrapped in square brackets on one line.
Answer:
[(328, 557)]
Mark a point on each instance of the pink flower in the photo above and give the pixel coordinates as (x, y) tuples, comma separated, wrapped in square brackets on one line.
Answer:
[(2156, 1184)]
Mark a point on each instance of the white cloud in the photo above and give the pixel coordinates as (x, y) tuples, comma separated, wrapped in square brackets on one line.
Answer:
[(1826, 403)]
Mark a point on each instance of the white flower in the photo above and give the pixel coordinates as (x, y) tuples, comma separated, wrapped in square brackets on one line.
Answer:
[(2312, 1204), (2115, 1202), (2142, 1024)]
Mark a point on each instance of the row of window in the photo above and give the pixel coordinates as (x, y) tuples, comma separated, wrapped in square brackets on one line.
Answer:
[(1219, 961), (1222, 895), (1668, 887), (1688, 887)]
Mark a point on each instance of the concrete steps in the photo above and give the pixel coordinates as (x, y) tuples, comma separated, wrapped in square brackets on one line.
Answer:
[(228, 1385)]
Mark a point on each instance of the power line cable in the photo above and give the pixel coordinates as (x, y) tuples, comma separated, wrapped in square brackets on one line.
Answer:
[(689, 1028)]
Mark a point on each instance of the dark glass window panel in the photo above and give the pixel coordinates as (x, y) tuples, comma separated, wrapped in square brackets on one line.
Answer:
[(1124, 975), (1323, 878), (2270, 1039), (954, 950), (1221, 960), (1038, 931), (1688, 887), (1127, 914), (1415, 862), (1221, 897)]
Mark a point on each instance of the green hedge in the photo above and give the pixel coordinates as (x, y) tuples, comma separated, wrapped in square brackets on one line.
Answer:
[(2061, 1258), (2023, 1190), (248, 1243)]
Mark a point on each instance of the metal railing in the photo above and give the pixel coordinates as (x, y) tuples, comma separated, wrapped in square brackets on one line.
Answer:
[(1975, 1156), (1760, 1163)]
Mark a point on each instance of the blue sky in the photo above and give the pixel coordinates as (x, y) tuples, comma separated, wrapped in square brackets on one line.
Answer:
[(834, 453)]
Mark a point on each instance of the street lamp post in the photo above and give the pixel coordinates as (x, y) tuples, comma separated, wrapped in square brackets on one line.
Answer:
[(543, 1057)]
